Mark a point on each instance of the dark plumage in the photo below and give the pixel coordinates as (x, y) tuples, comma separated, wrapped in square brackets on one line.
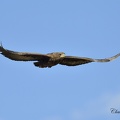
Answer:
[(51, 59)]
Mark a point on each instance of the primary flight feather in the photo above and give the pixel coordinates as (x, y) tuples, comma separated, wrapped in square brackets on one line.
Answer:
[(50, 59)]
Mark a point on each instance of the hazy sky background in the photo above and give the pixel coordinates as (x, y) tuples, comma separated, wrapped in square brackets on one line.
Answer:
[(88, 28)]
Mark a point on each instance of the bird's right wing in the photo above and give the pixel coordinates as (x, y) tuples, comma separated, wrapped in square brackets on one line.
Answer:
[(23, 56)]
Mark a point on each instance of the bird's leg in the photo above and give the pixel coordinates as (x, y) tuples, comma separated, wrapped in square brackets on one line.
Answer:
[(41, 64)]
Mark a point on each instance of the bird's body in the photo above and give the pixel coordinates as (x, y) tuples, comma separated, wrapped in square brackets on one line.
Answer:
[(50, 59)]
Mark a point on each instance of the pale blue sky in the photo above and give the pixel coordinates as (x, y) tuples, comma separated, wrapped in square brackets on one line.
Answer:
[(89, 28)]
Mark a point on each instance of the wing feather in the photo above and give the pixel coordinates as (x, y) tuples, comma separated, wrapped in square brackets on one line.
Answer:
[(23, 56)]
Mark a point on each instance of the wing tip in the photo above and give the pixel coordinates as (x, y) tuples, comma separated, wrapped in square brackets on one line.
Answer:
[(1, 47), (108, 59)]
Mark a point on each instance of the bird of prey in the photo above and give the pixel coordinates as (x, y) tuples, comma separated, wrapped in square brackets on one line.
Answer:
[(50, 59)]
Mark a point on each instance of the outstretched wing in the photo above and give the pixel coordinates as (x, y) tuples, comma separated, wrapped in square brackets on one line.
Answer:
[(73, 61), (23, 56)]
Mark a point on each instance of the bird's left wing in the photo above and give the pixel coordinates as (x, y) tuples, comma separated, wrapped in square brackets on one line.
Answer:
[(22, 56), (73, 61)]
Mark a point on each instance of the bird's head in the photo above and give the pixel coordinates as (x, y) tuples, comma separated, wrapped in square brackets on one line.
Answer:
[(61, 54), (56, 54)]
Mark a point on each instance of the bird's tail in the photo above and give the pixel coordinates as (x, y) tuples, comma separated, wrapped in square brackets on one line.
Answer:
[(107, 59)]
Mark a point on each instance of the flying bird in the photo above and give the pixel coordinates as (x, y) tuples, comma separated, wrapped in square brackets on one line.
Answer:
[(50, 59)]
